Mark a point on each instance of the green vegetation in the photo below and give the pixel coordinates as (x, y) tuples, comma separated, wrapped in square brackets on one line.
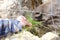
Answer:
[(36, 28), (34, 25)]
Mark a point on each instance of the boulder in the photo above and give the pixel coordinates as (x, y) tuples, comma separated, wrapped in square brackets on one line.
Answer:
[(50, 36), (10, 8), (47, 12), (25, 35)]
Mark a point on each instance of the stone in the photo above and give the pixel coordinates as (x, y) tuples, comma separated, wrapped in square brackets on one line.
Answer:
[(25, 35), (50, 36)]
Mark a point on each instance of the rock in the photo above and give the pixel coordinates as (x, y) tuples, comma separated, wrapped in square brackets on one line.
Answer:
[(10, 8), (50, 36), (25, 35), (46, 10), (45, 1)]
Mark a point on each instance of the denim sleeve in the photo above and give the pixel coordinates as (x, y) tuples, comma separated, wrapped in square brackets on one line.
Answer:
[(16, 25), (19, 26), (6, 27), (0, 27)]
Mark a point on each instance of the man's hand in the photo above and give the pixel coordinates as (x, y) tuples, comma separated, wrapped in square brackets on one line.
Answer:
[(24, 21)]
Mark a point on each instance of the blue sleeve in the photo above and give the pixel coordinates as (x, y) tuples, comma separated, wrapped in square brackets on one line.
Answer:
[(12, 26), (19, 26), (6, 27), (0, 27)]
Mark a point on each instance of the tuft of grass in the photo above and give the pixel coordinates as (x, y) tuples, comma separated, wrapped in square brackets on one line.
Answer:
[(36, 28), (33, 22)]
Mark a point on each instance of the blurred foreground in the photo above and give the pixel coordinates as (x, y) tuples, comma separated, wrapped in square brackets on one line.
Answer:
[(25, 35)]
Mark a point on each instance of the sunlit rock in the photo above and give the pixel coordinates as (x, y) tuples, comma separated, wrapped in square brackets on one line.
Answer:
[(25, 35), (9, 8), (50, 36)]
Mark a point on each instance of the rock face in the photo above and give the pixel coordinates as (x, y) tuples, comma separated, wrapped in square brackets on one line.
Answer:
[(25, 35), (45, 1), (31, 4), (9, 8), (46, 10)]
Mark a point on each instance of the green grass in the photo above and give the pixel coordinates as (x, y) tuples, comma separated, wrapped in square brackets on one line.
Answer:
[(35, 24)]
